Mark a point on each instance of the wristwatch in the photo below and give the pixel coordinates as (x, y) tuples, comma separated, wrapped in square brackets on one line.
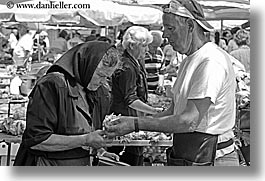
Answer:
[(136, 125)]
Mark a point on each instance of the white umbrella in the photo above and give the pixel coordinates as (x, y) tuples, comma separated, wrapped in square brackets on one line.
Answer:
[(100, 13), (26, 14), (214, 9), (108, 13)]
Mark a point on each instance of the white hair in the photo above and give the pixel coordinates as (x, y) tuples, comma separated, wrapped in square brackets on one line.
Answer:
[(136, 35)]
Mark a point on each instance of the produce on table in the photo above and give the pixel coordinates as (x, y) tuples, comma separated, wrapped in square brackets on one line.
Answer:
[(151, 153), (109, 118), (161, 101), (243, 90), (141, 135), (12, 126)]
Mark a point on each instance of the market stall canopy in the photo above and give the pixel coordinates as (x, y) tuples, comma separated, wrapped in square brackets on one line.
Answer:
[(214, 9), (49, 14), (99, 13), (108, 13), (26, 14)]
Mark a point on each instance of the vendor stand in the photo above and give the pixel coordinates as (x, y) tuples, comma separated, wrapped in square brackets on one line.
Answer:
[(11, 129), (9, 139)]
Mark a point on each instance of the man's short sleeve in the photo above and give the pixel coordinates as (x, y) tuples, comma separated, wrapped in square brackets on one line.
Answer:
[(207, 81)]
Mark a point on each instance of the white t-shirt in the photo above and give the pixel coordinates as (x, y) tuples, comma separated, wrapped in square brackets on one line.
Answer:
[(14, 85), (12, 40), (24, 44), (208, 72)]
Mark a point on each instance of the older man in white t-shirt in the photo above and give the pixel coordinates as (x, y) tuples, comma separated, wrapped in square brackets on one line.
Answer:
[(202, 115)]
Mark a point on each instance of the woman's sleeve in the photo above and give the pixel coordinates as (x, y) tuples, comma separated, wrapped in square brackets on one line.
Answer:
[(128, 85), (41, 118)]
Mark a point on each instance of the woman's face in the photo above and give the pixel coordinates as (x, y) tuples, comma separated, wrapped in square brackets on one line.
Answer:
[(103, 70), (139, 50)]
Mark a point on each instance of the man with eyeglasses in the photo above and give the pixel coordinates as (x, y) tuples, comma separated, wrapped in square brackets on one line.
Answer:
[(202, 115)]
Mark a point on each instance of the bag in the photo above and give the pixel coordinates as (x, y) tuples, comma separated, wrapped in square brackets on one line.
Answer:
[(104, 161), (192, 149)]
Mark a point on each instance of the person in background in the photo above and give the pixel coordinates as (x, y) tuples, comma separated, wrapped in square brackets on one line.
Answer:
[(103, 97), (202, 115), (105, 39), (243, 52), (237, 65), (74, 41), (23, 49), (3, 42), (119, 40), (232, 45), (13, 39), (59, 45), (227, 36), (47, 41), (219, 41), (129, 87), (170, 63), (39, 47), (165, 42), (153, 63), (92, 36), (59, 129)]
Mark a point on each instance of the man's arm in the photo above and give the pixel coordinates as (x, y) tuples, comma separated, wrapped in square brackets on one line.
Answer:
[(185, 122), (188, 121)]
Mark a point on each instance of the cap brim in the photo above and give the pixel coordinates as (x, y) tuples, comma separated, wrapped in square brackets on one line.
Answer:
[(205, 25)]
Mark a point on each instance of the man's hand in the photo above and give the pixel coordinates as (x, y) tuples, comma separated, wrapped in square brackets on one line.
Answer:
[(120, 127), (95, 139)]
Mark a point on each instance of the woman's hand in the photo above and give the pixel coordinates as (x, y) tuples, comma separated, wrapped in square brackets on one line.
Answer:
[(95, 139)]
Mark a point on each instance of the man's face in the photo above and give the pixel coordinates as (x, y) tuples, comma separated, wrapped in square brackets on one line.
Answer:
[(177, 33)]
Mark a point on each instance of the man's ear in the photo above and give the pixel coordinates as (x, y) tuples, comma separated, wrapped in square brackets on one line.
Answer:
[(190, 24)]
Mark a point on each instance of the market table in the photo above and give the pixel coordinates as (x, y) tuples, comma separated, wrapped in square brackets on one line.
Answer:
[(9, 139), (165, 143), (15, 101)]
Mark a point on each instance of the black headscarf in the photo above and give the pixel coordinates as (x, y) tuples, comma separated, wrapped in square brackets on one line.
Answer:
[(81, 61)]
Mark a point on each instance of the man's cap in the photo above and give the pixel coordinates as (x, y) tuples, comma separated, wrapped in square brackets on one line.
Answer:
[(190, 9)]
